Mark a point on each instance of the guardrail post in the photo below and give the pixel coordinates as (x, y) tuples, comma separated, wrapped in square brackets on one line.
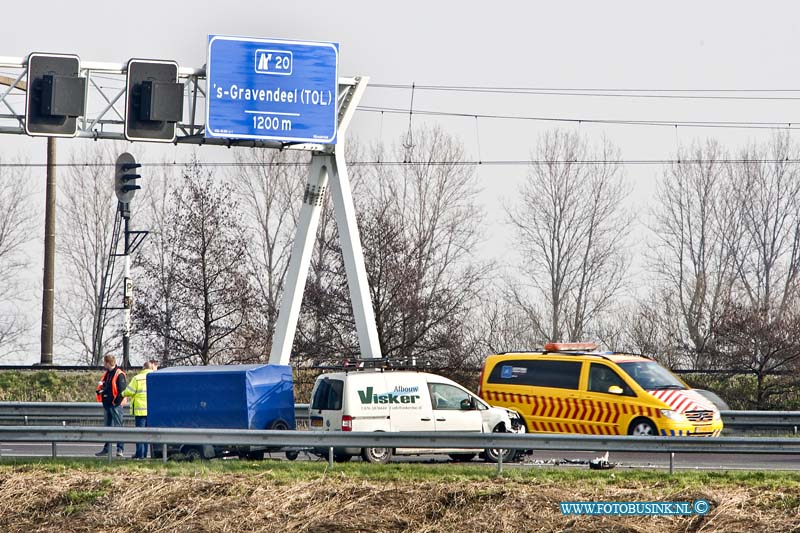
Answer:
[(330, 457), (110, 451), (164, 452), (500, 462), (671, 459), (54, 449)]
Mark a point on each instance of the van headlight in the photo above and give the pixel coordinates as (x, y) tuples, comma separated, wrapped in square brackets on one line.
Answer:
[(716, 416), (673, 415)]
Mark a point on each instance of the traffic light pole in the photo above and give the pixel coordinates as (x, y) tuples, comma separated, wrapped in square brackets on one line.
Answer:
[(127, 289)]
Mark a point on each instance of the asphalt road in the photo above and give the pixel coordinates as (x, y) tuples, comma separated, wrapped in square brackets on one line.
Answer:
[(681, 461)]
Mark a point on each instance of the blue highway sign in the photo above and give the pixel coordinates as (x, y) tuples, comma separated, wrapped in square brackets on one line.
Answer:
[(271, 89)]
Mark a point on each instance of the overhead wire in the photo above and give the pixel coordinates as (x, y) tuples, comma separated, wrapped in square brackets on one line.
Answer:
[(611, 92), (670, 123), (485, 162)]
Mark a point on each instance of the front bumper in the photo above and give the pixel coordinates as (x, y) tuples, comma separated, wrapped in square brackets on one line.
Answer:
[(688, 429)]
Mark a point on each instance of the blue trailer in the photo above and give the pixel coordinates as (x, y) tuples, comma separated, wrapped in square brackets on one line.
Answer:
[(226, 396)]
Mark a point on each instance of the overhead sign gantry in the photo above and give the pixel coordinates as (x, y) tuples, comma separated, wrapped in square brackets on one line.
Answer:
[(259, 93)]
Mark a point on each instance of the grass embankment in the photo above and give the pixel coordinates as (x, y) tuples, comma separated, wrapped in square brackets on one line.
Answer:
[(280, 496), (47, 386)]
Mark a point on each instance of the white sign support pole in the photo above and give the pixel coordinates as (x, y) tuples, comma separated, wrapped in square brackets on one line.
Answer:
[(300, 261), (323, 165), (349, 239)]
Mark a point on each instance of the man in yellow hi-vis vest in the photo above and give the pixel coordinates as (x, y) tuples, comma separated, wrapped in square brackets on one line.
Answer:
[(137, 392)]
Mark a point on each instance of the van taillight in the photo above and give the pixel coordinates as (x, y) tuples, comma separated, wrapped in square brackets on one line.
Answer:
[(347, 423)]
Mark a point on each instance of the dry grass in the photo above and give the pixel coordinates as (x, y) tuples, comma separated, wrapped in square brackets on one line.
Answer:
[(153, 499)]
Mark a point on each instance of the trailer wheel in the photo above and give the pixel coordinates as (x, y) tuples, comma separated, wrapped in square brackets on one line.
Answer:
[(193, 453), (279, 425), (292, 455), (462, 457), (253, 456), (343, 458)]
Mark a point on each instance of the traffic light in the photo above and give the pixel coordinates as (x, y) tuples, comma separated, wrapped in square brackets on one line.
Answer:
[(154, 100), (125, 177), (56, 95)]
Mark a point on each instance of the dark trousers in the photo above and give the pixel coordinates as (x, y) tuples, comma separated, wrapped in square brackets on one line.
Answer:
[(141, 447), (113, 418)]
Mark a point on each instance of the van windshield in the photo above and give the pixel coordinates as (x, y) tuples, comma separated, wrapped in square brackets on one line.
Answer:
[(328, 396), (651, 376)]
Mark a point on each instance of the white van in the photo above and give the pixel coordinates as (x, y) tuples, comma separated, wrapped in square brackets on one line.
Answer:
[(375, 400)]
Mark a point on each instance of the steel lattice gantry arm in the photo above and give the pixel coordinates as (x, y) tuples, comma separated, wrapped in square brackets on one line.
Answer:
[(105, 97), (104, 119)]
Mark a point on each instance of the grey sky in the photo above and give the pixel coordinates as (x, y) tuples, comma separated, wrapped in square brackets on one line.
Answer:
[(670, 45)]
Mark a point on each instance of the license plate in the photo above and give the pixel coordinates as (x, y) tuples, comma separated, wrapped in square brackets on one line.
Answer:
[(316, 422)]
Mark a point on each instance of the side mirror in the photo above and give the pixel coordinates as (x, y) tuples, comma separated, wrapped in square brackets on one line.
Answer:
[(613, 389), (467, 404)]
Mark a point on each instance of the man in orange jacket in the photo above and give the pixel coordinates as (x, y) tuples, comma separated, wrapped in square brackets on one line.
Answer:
[(109, 391)]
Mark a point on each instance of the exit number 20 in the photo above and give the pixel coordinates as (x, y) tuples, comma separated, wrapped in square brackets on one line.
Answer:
[(273, 62)]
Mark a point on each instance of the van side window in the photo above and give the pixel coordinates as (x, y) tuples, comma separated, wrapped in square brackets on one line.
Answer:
[(328, 395), (445, 396), (602, 377), (537, 373)]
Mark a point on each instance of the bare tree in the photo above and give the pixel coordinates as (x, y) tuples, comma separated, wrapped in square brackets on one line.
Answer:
[(766, 249), (269, 184), (156, 263), (755, 342), (87, 207), (502, 324), (694, 225), (571, 227), (651, 326), (16, 226), (420, 226), (210, 288), (759, 325)]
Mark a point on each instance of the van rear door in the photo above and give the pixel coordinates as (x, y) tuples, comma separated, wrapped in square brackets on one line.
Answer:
[(327, 404), (366, 401)]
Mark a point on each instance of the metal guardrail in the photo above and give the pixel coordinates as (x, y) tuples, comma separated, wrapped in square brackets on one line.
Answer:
[(83, 412), (436, 440), (762, 419)]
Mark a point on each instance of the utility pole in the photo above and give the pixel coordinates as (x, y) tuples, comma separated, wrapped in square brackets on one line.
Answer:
[(48, 279), (48, 275)]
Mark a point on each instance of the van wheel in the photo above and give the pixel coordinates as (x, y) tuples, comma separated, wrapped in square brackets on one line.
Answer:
[(492, 455), (377, 455), (292, 455), (642, 427), (462, 457)]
